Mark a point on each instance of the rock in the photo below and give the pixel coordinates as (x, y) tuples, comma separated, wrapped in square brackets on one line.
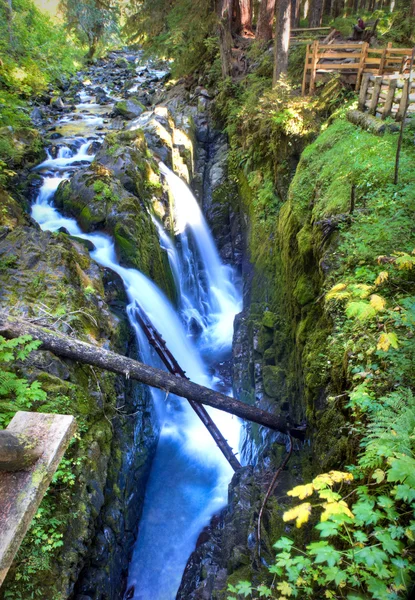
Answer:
[(37, 116), (129, 109), (26, 146), (57, 103)]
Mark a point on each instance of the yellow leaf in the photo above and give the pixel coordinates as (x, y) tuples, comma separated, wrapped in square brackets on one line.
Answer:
[(285, 588), (336, 508), (383, 342), (300, 513), (337, 291), (322, 481), (379, 475), (381, 278), (377, 302), (302, 491), (339, 476), (387, 339)]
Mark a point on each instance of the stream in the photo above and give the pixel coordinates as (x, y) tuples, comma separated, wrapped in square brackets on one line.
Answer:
[(189, 476)]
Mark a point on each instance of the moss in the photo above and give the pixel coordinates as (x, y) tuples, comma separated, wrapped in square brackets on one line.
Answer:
[(274, 381)]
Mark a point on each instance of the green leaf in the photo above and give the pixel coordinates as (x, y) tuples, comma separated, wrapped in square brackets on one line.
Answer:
[(402, 469), (405, 492), (244, 588), (284, 543), (328, 528), (324, 553), (390, 545), (264, 591)]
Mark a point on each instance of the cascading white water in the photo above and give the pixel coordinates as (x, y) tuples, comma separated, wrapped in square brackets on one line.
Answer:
[(211, 288), (189, 476)]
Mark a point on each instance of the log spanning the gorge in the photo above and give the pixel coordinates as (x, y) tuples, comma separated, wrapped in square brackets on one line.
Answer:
[(65, 346), (157, 342)]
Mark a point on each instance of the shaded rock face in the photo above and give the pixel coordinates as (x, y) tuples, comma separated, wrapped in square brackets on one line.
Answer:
[(51, 277)]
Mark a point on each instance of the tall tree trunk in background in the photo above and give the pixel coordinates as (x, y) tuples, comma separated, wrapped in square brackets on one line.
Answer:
[(225, 11), (315, 13), (244, 22), (265, 20), (9, 16), (413, 8), (282, 39), (295, 13)]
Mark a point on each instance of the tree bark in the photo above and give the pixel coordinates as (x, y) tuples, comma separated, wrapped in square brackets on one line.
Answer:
[(244, 23), (315, 13), (282, 39), (265, 20), (225, 11), (295, 13), (67, 347), (9, 16)]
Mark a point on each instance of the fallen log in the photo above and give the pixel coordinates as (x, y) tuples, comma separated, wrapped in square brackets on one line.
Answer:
[(370, 123), (65, 346)]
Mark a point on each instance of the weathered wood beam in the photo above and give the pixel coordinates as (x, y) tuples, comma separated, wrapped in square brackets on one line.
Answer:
[(22, 491), (63, 345)]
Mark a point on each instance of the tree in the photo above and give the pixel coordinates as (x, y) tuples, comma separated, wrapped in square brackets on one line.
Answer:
[(92, 20), (315, 13), (282, 39), (9, 16), (225, 14), (244, 17), (265, 20)]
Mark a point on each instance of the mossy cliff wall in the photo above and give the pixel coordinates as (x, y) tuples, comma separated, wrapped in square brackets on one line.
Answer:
[(291, 353)]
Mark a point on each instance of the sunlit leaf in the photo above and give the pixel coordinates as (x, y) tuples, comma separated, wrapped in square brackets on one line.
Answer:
[(300, 513), (377, 302), (302, 491), (381, 278)]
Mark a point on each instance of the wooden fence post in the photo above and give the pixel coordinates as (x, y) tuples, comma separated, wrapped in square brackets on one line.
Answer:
[(387, 108), (382, 61), (362, 62), (363, 91), (307, 58), (375, 95), (313, 67), (403, 102)]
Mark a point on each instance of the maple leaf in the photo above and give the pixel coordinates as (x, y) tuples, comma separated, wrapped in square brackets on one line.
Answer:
[(386, 340), (377, 302), (300, 513), (336, 508), (302, 491), (381, 278)]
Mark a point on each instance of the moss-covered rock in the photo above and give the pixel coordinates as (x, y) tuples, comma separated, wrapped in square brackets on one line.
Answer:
[(98, 200), (20, 147), (129, 109), (48, 276)]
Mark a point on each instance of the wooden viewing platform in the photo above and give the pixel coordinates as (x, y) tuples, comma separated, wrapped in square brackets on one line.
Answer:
[(352, 60), (31, 449)]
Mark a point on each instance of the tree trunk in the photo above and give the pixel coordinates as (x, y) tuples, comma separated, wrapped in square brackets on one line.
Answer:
[(315, 13), (295, 13), (265, 20), (244, 21), (282, 39), (225, 10), (63, 345), (413, 8), (9, 16)]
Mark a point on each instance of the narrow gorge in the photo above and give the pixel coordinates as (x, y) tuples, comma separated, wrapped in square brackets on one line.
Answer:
[(256, 236)]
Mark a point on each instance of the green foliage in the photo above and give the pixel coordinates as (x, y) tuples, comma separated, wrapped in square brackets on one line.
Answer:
[(37, 53), (92, 21), (16, 393), (179, 30)]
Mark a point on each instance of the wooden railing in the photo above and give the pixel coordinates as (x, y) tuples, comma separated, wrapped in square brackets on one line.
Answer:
[(386, 95), (352, 59)]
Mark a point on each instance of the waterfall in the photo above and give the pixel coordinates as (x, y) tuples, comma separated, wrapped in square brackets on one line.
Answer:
[(210, 287), (189, 476)]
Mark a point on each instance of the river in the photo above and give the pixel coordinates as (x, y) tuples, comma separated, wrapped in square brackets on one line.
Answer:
[(189, 476)]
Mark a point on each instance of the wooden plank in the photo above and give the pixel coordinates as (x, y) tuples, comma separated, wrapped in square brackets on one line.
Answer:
[(402, 103), (313, 67), (363, 90), (327, 54), (341, 46), (337, 66), (363, 56), (21, 492), (306, 66), (375, 96), (310, 29), (389, 98)]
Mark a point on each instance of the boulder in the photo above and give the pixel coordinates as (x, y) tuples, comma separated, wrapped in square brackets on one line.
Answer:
[(129, 109)]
